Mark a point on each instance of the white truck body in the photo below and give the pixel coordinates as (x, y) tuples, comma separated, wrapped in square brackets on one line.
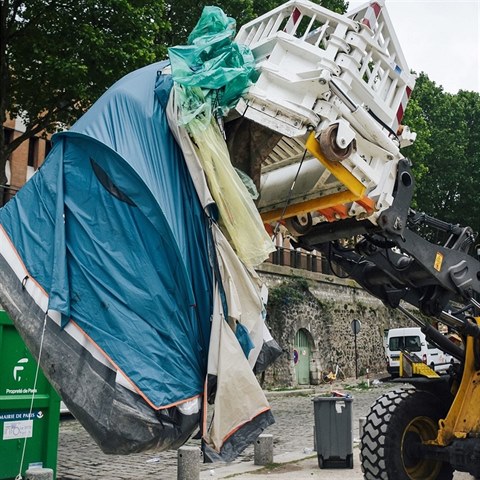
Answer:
[(343, 76), (413, 340)]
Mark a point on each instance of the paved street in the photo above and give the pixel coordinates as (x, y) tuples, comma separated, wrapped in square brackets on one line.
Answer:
[(80, 458)]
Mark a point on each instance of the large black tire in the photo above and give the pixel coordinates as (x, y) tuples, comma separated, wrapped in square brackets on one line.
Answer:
[(398, 421)]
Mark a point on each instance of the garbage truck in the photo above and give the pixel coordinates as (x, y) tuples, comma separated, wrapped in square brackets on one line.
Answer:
[(130, 275), (334, 89)]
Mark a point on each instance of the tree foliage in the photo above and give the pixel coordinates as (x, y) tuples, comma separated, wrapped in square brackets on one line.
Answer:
[(57, 57), (446, 155)]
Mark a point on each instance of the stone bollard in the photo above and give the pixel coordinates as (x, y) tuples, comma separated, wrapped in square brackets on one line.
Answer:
[(263, 450), (37, 473), (188, 463), (361, 425)]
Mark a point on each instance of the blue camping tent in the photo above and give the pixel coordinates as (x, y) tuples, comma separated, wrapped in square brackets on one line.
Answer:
[(120, 280), (111, 266), (110, 229)]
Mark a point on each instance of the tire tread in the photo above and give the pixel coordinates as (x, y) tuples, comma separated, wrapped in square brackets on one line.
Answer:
[(375, 438)]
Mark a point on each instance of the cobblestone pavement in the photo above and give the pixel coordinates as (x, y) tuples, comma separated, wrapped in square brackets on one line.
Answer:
[(80, 458)]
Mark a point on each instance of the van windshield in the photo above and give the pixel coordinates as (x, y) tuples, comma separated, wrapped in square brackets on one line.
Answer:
[(409, 343)]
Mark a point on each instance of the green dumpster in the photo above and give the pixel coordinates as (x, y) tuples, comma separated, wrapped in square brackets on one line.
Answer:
[(38, 430)]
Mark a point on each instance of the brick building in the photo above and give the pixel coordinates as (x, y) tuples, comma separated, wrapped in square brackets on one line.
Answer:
[(25, 160)]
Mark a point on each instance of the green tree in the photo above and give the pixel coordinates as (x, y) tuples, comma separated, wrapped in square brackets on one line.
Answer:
[(57, 57), (446, 156), (420, 149)]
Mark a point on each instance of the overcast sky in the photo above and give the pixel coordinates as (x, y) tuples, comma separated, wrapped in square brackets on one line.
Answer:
[(439, 37)]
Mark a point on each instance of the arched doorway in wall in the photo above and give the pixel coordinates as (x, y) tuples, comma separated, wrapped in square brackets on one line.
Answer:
[(302, 353)]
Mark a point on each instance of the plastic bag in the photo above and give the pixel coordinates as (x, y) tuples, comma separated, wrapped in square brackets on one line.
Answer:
[(210, 75), (248, 182), (213, 62)]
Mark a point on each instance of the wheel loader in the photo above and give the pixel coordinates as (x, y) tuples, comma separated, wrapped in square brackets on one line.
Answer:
[(325, 135)]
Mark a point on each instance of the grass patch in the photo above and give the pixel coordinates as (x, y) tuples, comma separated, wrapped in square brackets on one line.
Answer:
[(271, 466), (363, 386)]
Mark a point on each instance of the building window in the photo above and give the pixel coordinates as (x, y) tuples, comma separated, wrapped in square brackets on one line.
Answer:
[(33, 152), (8, 135)]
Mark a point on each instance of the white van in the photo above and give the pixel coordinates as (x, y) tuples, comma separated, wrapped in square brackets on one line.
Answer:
[(413, 340)]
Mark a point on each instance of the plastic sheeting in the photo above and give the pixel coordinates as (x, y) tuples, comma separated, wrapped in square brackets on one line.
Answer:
[(238, 215), (211, 61), (212, 72)]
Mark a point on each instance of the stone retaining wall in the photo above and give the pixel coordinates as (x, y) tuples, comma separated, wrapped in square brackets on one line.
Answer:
[(324, 306)]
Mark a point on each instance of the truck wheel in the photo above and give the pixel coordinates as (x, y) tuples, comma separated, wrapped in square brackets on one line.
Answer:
[(397, 423)]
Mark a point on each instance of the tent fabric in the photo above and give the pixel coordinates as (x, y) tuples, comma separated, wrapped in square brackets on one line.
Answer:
[(191, 158), (240, 421), (128, 273), (97, 394), (117, 239), (114, 246)]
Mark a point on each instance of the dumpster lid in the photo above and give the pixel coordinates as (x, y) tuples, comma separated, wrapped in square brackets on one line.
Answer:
[(333, 399)]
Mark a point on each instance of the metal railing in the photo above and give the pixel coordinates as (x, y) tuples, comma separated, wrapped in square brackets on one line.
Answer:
[(289, 257)]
